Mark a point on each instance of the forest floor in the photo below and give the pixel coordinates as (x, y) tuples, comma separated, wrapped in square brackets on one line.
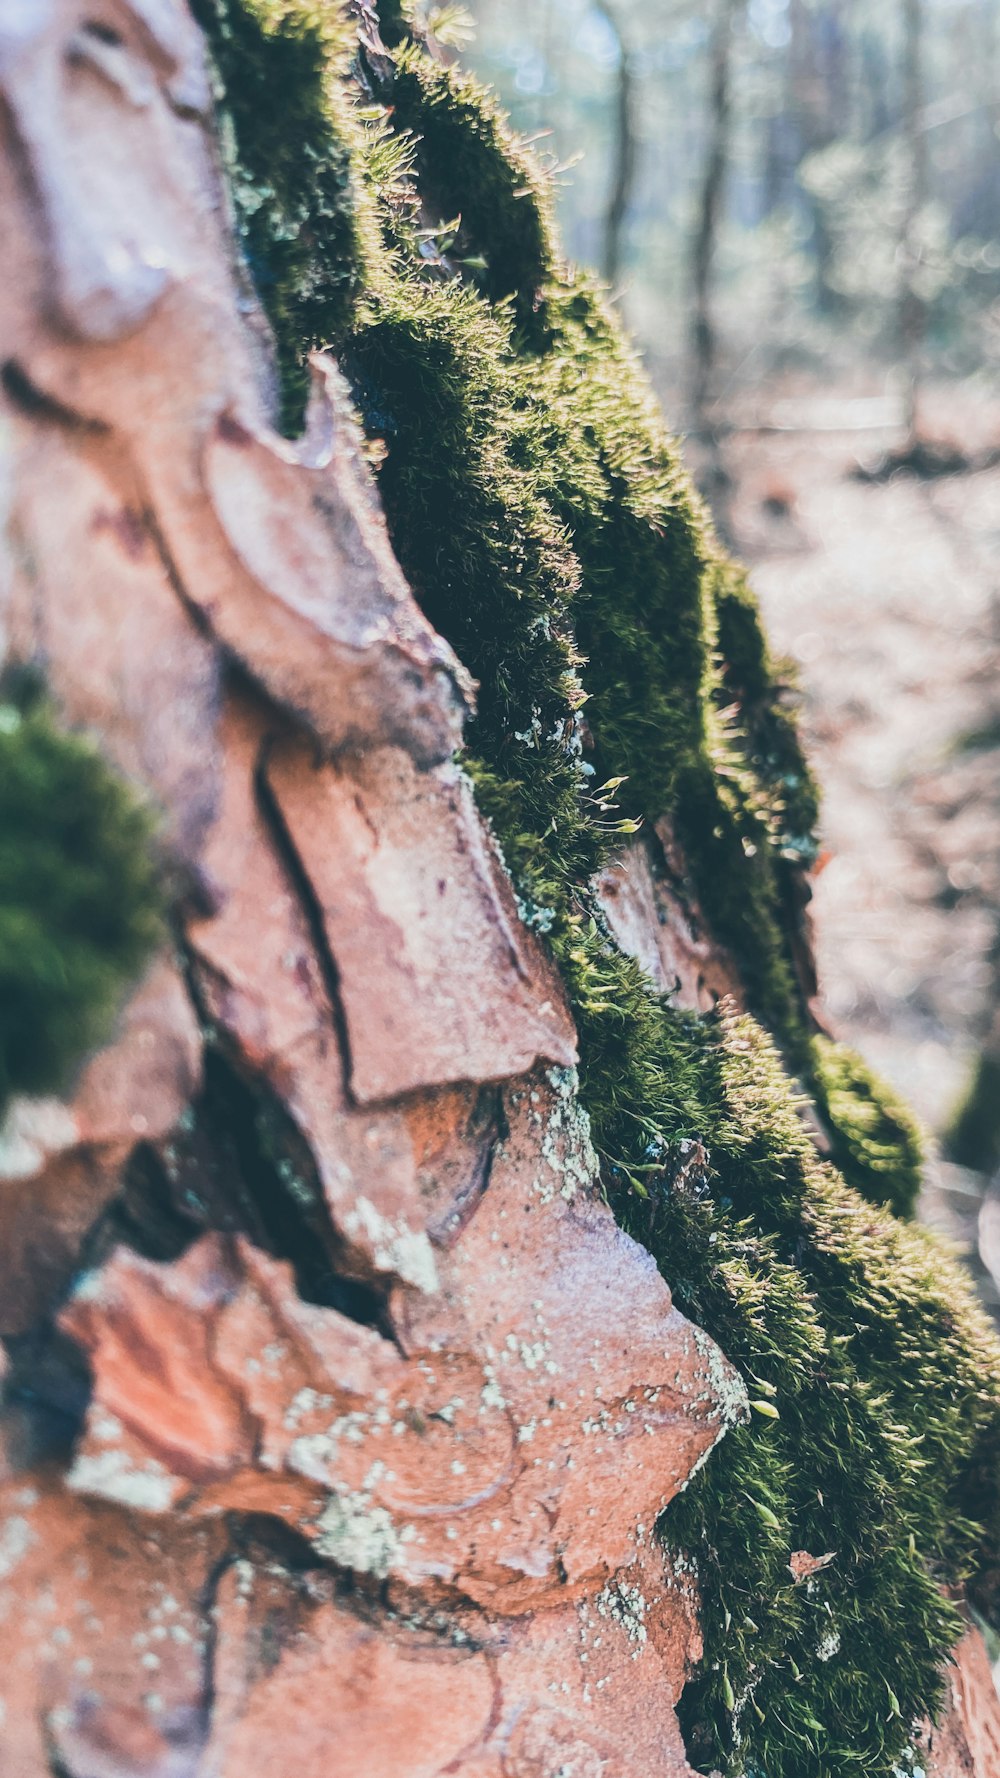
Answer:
[(887, 596)]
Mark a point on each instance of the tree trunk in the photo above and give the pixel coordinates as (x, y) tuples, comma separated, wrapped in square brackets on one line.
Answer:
[(703, 332), (623, 161), (339, 1407), (912, 311), (346, 1304)]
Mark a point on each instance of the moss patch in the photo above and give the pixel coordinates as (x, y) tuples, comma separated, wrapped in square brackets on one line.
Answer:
[(79, 898), (298, 204), (860, 1455), (473, 174), (543, 518), (874, 1139), (973, 1136)]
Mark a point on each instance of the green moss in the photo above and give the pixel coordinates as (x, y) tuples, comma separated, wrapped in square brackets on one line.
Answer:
[(973, 1135), (612, 563), (79, 901), (543, 518), (844, 1321), (874, 1140), (288, 153), (471, 172)]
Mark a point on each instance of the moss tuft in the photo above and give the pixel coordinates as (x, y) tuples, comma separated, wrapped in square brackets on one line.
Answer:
[(845, 1322), (874, 1140), (973, 1135), (472, 173), (80, 908), (545, 523)]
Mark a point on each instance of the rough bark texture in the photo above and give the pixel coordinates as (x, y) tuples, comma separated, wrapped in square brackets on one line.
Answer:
[(379, 1405), (405, 1524)]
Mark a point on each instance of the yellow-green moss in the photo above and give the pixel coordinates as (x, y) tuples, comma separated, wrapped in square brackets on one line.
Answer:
[(545, 523), (79, 899)]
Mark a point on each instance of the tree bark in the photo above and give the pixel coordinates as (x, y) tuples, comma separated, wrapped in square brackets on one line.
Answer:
[(338, 1409), (321, 1358)]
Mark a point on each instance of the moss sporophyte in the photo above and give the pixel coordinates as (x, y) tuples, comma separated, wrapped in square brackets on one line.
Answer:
[(545, 522)]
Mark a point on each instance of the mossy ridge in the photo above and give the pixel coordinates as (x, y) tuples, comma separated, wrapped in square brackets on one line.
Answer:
[(651, 580), (470, 170), (80, 903), (765, 693), (556, 399), (514, 548)]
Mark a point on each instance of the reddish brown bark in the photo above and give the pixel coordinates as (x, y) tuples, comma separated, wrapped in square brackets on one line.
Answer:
[(339, 1412)]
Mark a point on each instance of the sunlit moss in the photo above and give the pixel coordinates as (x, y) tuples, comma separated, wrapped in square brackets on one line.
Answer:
[(472, 174), (298, 203)]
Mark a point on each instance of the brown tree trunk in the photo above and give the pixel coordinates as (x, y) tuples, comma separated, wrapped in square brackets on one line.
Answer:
[(270, 1340), (338, 1410)]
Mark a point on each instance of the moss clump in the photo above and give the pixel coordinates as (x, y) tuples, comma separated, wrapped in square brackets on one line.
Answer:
[(473, 174), (545, 523), (874, 1140), (79, 900), (298, 204), (576, 535), (776, 785), (973, 1136), (844, 1323)]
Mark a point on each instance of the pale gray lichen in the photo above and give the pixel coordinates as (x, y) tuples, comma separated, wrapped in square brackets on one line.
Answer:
[(306, 1401), (395, 1246), (16, 1539), (314, 1454), (566, 1145), (355, 1534), (727, 1390), (627, 1607), (112, 1475)]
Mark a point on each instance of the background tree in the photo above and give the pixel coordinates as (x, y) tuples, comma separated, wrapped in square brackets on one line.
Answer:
[(710, 203)]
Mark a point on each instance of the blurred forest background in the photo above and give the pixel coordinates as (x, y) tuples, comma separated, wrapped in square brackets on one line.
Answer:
[(838, 163), (796, 206)]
